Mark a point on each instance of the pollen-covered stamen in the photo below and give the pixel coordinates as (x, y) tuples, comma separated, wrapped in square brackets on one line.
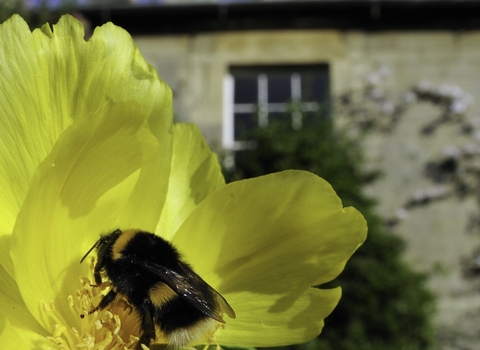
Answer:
[(115, 328)]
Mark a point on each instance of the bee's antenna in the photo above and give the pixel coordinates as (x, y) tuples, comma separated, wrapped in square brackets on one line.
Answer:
[(89, 251)]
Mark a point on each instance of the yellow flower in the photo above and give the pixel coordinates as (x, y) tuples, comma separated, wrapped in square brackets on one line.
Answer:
[(87, 145)]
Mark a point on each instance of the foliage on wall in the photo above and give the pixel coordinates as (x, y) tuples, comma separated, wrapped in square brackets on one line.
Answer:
[(455, 172)]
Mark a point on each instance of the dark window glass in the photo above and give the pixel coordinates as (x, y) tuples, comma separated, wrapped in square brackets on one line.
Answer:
[(244, 124), (245, 89), (279, 88), (315, 86)]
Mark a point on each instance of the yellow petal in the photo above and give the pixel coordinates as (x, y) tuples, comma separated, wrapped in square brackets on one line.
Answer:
[(290, 320), (269, 239), (25, 104), (12, 306), (19, 338), (77, 193), (49, 79), (195, 174)]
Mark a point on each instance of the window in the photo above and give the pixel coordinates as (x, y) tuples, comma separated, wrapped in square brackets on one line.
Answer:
[(255, 95)]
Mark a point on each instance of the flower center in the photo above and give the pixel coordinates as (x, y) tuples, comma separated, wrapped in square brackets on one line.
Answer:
[(114, 328)]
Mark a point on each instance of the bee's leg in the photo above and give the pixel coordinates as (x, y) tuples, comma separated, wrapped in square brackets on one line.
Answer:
[(97, 277), (146, 312), (106, 300)]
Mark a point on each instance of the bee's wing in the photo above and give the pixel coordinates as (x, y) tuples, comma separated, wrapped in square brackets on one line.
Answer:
[(193, 289)]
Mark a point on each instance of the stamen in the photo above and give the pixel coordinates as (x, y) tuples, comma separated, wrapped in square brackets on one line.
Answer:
[(114, 329), (59, 328)]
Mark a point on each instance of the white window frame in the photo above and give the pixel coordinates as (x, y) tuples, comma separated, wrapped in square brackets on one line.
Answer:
[(264, 108)]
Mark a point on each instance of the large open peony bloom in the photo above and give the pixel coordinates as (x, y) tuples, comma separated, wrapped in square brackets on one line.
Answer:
[(87, 145)]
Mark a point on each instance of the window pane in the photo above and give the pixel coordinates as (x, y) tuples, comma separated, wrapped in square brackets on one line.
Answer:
[(245, 89), (244, 124), (315, 86), (279, 88)]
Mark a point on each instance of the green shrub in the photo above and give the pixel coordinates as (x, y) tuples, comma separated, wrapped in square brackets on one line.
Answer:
[(385, 305)]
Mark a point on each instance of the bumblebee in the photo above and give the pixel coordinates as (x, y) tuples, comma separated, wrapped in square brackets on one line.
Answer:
[(164, 290)]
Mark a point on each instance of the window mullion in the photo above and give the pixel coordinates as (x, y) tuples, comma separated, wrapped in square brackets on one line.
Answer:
[(228, 138), (296, 98), (262, 100)]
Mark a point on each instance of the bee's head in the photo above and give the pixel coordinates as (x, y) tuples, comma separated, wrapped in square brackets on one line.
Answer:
[(104, 245)]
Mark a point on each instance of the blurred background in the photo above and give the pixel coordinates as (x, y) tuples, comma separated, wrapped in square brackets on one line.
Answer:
[(378, 97)]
